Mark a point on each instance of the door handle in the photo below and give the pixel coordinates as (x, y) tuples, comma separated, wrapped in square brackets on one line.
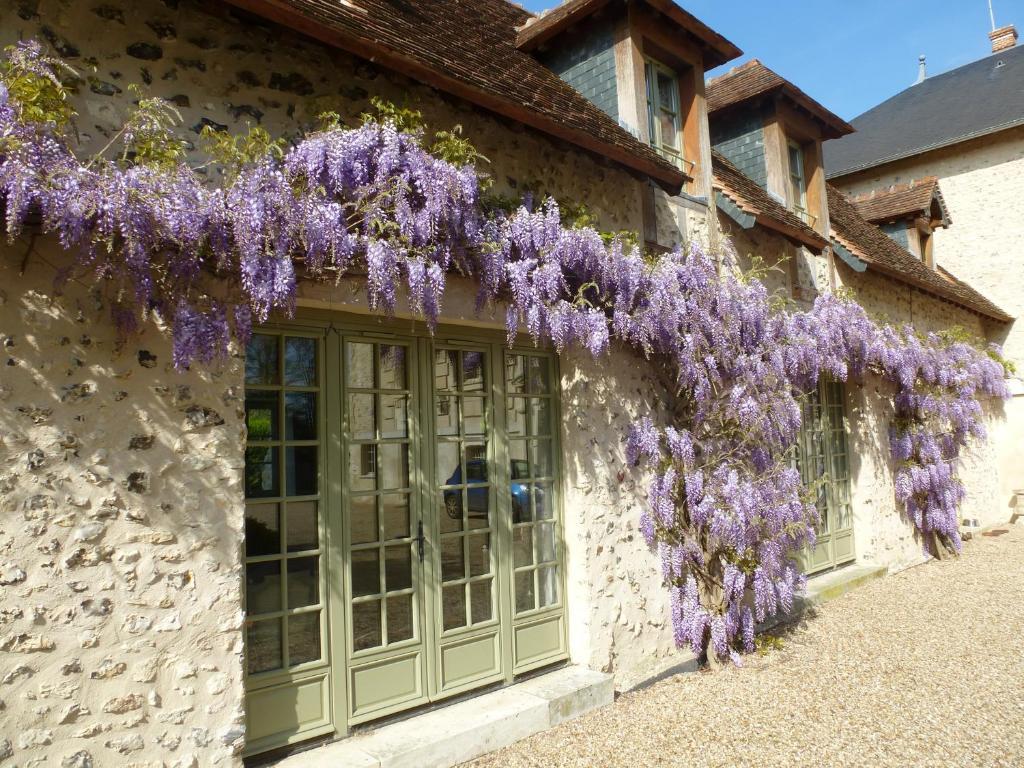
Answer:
[(420, 540)]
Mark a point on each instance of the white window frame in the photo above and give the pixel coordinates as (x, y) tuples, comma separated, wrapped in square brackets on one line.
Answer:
[(671, 150)]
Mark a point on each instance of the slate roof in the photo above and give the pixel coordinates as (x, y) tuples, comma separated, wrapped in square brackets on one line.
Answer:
[(903, 201), (538, 29), (974, 100), (753, 200), (468, 48), (753, 80), (882, 254)]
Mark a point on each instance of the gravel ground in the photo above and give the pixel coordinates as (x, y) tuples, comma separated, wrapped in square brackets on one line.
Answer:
[(924, 668)]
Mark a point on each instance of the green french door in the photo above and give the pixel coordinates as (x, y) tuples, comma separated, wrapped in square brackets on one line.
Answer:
[(823, 460), (434, 468)]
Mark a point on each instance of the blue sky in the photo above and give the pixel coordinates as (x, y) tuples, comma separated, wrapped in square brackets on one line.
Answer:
[(863, 52)]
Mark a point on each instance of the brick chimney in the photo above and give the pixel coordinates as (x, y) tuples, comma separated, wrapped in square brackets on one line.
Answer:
[(1003, 38)]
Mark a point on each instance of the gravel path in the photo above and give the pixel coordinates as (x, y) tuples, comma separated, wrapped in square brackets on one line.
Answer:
[(924, 668)]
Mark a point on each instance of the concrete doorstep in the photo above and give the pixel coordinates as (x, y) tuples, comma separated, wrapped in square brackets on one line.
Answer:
[(468, 729)]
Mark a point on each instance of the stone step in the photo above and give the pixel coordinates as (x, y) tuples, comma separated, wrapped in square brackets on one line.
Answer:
[(459, 732), (829, 586)]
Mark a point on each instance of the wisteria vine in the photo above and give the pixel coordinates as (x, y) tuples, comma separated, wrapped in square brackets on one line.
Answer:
[(727, 509)]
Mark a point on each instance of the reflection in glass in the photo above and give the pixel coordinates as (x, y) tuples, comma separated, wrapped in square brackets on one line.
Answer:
[(301, 467), (400, 618), (515, 374), (476, 464), (362, 416), (453, 607), (473, 418), (542, 501), (262, 530), (261, 414), (547, 579), (398, 568), (540, 458), (522, 546), (392, 366), (303, 530), (261, 360), (263, 645), (448, 470), (451, 519), (545, 533), (366, 631), (359, 365), (446, 415), (394, 422), (524, 592), (261, 472), (540, 416), (303, 638), (300, 416), (473, 374), (479, 554), (362, 472), (263, 587), (365, 572), (394, 466), (396, 515), (363, 519), (445, 370), (480, 601), (540, 382), (300, 362), (453, 562), (515, 416), (303, 582)]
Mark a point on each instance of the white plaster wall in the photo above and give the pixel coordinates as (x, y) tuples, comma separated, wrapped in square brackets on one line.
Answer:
[(121, 523)]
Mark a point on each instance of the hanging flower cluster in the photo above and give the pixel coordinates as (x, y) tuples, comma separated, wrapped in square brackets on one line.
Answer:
[(727, 508)]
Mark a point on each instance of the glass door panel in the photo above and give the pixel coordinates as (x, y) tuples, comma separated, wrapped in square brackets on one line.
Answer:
[(382, 527)]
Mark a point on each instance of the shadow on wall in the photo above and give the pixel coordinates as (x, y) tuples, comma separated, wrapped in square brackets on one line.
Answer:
[(120, 485)]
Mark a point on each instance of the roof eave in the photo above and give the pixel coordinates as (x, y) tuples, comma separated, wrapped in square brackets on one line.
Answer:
[(663, 173)]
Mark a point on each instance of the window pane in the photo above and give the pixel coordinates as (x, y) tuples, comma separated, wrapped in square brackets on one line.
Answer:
[(263, 645), (365, 572), (479, 554), (366, 625), (300, 416), (476, 463), (540, 458), (543, 502), (666, 91), (394, 466), (448, 471), (303, 582), (394, 421), (261, 472), (524, 592), (446, 369), (540, 379), (473, 373), (515, 416), (479, 498), (547, 579), (398, 568), (359, 365), (262, 530), (263, 587), (302, 469), (303, 531), (545, 533), (540, 416), (396, 515), (362, 417), (473, 419), (480, 601), (392, 366), (453, 561), (303, 638), (261, 360), (363, 519), (522, 545), (362, 467), (261, 415), (515, 374), (451, 519), (446, 415), (521, 512), (400, 618), (669, 131), (454, 606), (300, 362)]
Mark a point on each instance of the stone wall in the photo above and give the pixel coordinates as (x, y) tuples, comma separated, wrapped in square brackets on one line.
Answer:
[(120, 537)]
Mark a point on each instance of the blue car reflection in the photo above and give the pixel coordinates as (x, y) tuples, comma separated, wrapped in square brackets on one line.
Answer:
[(478, 496)]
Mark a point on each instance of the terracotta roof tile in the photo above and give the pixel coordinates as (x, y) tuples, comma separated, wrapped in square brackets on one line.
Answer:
[(902, 201), (880, 252), (754, 200), (469, 49), (754, 79)]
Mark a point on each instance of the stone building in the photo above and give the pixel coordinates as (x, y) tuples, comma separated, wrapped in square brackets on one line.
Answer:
[(940, 166), (353, 518)]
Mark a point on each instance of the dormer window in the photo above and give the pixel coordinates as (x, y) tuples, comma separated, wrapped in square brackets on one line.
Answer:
[(797, 180), (663, 116)]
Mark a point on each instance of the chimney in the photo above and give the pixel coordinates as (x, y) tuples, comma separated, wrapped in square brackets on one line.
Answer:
[(922, 69), (1003, 38)]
